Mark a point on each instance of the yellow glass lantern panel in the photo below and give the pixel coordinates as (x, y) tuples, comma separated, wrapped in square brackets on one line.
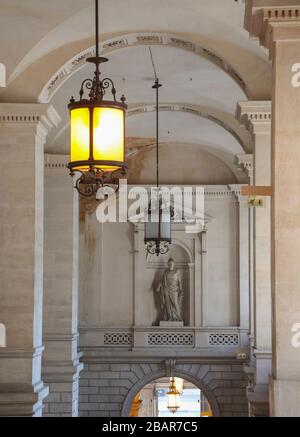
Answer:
[(80, 135), (108, 136)]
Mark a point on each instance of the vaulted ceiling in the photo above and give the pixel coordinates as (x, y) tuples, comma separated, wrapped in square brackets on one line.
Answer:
[(203, 58)]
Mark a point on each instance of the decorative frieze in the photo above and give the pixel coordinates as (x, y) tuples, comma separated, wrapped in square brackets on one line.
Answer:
[(170, 339), (134, 40), (223, 339), (156, 337), (117, 339)]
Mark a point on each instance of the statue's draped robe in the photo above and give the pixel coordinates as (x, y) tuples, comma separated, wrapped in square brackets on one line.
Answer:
[(171, 295)]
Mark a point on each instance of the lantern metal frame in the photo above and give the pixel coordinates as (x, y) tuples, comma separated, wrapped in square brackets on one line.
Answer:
[(96, 177), (173, 392), (160, 245)]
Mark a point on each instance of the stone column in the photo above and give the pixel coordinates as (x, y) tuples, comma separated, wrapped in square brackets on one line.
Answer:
[(278, 27), (243, 263), (245, 162), (23, 131), (256, 117), (202, 272), (61, 365)]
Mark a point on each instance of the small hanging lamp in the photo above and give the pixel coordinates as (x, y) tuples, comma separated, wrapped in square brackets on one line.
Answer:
[(97, 130), (157, 231), (173, 404)]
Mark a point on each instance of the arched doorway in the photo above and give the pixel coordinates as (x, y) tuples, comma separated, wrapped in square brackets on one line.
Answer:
[(154, 400), (160, 376)]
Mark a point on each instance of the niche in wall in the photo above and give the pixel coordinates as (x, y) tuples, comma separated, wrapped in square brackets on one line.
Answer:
[(155, 267)]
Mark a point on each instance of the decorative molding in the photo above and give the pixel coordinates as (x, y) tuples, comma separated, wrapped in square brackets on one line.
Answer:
[(117, 339), (180, 339), (21, 353), (262, 21), (170, 367), (131, 40), (29, 113), (223, 339), (158, 339), (255, 116), (56, 161), (190, 109), (60, 337), (236, 190), (245, 162)]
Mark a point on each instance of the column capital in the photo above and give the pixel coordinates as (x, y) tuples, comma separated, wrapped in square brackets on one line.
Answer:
[(272, 20), (245, 162), (255, 116)]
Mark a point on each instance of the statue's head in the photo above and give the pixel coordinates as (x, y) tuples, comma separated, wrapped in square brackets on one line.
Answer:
[(171, 263)]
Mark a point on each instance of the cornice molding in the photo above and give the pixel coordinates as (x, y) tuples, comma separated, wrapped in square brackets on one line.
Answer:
[(255, 116), (56, 162), (35, 114), (60, 337), (263, 20), (7, 352), (245, 162)]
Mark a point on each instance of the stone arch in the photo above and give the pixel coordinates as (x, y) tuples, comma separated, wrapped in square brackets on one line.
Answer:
[(206, 113), (161, 373), (136, 39), (187, 250)]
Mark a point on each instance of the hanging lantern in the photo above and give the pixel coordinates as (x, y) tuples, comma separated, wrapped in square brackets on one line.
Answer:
[(179, 385), (173, 404), (97, 131), (158, 228), (158, 224)]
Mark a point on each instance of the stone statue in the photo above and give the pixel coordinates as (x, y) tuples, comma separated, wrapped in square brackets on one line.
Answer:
[(171, 293)]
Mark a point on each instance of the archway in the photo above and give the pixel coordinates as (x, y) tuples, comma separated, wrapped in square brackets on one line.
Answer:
[(136, 39), (154, 400), (151, 377)]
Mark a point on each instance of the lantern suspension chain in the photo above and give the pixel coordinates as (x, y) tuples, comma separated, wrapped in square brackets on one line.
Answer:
[(97, 26), (156, 86), (159, 244)]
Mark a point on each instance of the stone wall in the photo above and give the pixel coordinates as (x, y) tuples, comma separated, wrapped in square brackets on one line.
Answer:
[(107, 390), (63, 400)]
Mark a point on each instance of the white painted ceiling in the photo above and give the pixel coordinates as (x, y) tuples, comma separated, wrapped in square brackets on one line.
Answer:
[(186, 78), (37, 37)]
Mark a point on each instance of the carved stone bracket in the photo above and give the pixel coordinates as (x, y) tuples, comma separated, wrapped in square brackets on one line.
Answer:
[(245, 162), (170, 367)]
